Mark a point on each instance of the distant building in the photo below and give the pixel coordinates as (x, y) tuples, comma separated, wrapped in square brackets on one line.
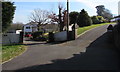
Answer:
[(29, 28), (50, 27), (116, 18), (32, 27)]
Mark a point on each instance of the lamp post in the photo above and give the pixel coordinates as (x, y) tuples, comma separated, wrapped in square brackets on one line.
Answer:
[(67, 19)]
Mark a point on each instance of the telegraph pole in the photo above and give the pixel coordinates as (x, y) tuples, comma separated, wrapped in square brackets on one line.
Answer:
[(67, 19)]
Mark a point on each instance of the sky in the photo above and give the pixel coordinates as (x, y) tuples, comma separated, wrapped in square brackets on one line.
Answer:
[(25, 7)]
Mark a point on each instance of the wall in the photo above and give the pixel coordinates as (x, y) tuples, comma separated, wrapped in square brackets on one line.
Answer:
[(116, 35), (60, 36), (10, 38)]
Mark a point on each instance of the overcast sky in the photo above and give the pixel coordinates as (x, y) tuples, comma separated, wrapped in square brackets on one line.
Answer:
[(25, 7)]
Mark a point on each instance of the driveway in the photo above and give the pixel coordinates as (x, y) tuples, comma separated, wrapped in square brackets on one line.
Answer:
[(91, 51)]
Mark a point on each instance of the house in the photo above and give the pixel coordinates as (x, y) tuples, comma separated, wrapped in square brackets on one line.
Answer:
[(32, 27), (29, 28), (116, 18), (50, 27)]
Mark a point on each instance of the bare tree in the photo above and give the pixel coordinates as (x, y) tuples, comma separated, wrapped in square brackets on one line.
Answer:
[(61, 19), (40, 16)]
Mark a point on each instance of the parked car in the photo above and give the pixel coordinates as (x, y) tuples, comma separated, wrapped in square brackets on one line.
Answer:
[(28, 35)]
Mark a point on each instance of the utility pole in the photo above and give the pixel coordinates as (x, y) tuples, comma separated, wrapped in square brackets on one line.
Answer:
[(68, 20)]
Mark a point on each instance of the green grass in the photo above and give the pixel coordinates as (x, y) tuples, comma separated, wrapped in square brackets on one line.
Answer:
[(83, 29), (10, 51)]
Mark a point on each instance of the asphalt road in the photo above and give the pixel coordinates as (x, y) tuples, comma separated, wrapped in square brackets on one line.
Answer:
[(91, 51)]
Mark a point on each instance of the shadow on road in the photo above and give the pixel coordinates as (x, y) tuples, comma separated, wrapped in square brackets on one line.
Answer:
[(100, 55)]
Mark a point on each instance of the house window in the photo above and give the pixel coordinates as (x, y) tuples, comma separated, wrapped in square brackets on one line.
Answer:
[(27, 27)]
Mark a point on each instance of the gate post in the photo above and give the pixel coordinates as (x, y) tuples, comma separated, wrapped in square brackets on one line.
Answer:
[(21, 37)]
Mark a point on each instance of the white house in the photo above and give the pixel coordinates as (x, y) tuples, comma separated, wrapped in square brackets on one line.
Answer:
[(30, 27)]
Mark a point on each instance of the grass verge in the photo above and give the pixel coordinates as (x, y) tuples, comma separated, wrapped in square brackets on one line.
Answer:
[(10, 51), (83, 29)]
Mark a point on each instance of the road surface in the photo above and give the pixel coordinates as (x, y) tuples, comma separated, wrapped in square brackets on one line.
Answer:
[(91, 51)]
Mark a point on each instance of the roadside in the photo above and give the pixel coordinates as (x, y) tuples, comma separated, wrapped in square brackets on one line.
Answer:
[(92, 45), (82, 30), (11, 51)]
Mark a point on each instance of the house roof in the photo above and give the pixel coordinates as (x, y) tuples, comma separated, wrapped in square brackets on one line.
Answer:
[(31, 23), (117, 16), (50, 26)]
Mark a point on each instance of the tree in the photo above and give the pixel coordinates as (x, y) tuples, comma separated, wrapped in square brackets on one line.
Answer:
[(95, 20), (98, 19), (16, 26), (0, 17), (60, 7), (73, 17), (8, 10), (102, 11), (84, 19), (61, 19), (39, 16), (101, 19)]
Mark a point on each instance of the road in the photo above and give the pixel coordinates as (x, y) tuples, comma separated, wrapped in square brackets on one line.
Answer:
[(91, 51)]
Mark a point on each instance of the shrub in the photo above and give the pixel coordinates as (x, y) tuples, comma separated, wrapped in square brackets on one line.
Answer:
[(84, 19), (51, 37), (95, 20), (40, 36), (98, 19), (37, 34), (73, 17), (101, 19)]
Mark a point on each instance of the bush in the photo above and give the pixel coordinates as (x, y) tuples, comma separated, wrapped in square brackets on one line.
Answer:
[(51, 37), (95, 20), (98, 19), (73, 17), (84, 19), (40, 36), (101, 19), (37, 34)]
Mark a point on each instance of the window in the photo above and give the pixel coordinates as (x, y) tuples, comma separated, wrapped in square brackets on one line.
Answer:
[(27, 27)]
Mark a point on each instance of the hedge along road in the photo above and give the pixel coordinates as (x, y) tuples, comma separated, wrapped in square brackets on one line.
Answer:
[(91, 51)]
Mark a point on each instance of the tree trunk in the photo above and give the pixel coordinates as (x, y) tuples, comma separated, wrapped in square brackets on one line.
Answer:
[(60, 19)]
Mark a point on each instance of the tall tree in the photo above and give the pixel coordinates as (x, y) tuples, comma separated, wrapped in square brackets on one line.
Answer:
[(73, 17), (84, 19), (102, 11), (39, 16), (8, 10)]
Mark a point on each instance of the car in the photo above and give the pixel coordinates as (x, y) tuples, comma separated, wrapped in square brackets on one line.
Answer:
[(28, 35)]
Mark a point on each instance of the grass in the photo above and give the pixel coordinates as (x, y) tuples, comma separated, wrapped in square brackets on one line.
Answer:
[(83, 29), (10, 51)]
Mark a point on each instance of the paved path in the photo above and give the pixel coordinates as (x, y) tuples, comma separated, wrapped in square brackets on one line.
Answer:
[(91, 51)]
